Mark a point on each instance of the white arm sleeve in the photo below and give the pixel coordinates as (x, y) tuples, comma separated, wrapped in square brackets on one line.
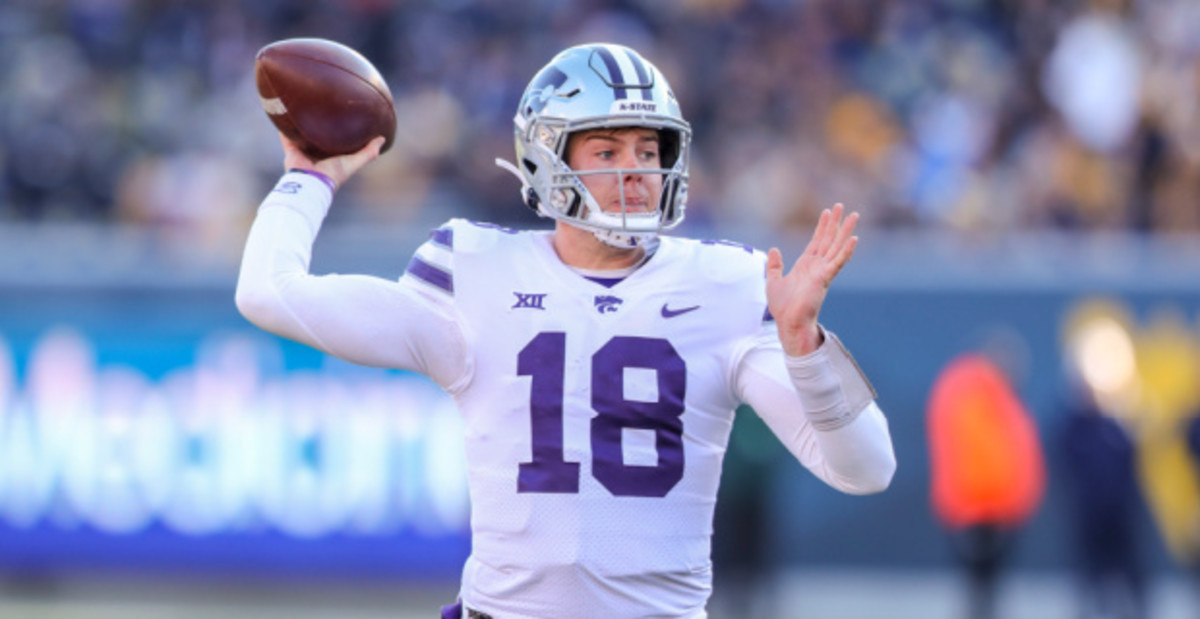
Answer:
[(365, 320), (855, 457)]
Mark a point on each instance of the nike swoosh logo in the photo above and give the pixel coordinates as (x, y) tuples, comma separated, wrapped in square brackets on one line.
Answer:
[(670, 313)]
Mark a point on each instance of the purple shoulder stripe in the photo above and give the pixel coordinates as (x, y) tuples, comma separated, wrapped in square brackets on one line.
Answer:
[(430, 274), (453, 611), (443, 237)]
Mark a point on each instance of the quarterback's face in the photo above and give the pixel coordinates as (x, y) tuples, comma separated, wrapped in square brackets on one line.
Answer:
[(623, 149)]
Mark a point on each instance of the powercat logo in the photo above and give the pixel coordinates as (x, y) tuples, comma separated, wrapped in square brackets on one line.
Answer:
[(607, 304), (626, 107)]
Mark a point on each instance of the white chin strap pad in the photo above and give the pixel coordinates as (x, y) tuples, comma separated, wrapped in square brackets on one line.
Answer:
[(624, 240)]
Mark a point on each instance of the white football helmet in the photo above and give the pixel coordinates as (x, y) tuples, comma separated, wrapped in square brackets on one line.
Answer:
[(594, 86)]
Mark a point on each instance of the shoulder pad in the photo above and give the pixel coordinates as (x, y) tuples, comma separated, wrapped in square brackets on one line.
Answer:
[(479, 236), (728, 261)]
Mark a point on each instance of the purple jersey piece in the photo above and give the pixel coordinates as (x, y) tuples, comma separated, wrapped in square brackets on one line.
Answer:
[(607, 282)]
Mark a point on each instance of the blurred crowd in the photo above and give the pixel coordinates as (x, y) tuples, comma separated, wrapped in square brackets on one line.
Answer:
[(976, 115)]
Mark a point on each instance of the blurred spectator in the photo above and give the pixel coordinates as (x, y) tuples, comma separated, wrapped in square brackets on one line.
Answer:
[(1093, 77), (1192, 437), (969, 115), (742, 563), (1106, 505), (987, 470), (1168, 363)]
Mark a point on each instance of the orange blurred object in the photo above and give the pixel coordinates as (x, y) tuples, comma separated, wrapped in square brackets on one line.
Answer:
[(985, 455)]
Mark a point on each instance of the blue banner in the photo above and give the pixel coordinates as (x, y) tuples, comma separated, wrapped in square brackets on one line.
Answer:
[(159, 430)]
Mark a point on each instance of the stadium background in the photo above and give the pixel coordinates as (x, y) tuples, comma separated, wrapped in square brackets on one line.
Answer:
[(1018, 163)]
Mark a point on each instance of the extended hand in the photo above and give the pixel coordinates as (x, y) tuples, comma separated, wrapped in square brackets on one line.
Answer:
[(339, 169), (795, 299)]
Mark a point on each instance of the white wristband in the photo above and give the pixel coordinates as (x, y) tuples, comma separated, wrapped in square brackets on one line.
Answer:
[(304, 193), (832, 388)]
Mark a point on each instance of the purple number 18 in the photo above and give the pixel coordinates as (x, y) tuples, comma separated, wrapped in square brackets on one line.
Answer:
[(544, 360)]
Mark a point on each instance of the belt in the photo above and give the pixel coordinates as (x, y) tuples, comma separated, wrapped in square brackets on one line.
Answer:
[(475, 614)]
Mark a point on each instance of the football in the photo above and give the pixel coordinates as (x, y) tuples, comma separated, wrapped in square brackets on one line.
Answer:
[(325, 97)]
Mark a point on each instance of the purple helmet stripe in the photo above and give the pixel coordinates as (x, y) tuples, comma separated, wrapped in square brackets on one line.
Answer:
[(615, 77), (430, 274), (643, 76)]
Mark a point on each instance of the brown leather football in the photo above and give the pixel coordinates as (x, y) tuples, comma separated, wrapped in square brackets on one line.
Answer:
[(325, 97)]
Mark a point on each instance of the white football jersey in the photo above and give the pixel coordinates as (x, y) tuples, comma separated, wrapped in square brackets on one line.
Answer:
[(596, 417)]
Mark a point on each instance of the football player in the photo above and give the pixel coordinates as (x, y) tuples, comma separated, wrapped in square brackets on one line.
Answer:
[(597, 365)]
